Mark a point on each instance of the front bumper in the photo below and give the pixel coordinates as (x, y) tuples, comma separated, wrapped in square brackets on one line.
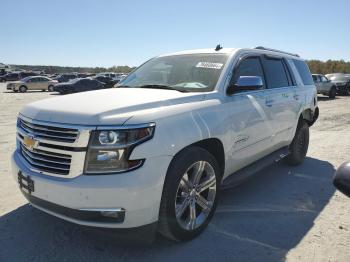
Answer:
[(342, 88), (137, 193)]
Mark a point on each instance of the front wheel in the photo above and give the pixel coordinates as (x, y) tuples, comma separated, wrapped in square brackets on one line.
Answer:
[(300, 144), (22, 89), (190, 194)]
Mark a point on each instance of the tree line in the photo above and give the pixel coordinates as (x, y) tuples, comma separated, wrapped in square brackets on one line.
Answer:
[(328, 67), (316, 67), (70, 69)]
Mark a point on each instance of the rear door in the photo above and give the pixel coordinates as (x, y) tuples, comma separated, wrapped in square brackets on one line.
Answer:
[(44, 82), (280, 99)]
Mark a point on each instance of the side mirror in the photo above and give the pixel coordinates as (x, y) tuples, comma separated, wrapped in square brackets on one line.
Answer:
[(341, 179), (246, 83)]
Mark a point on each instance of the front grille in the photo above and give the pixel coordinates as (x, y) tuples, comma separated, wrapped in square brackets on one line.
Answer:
[(46, 161), (51, 133)]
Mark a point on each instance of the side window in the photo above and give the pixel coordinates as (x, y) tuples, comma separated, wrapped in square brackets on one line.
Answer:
[(275, 73), (314, 77), (250, 66), (324, 79), (303, 71)]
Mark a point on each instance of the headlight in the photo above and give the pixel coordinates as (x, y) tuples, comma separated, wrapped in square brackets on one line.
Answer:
[(109, 150)]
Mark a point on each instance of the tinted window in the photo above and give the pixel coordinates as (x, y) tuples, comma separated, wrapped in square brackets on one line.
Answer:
[(275, 73), (314, 78), (250, 66), (304, 72)]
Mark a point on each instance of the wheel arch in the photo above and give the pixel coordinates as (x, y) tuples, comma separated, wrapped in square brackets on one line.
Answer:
[(214, 146), (309, 116)]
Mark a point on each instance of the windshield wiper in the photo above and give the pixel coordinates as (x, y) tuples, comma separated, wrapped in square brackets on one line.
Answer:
[(162, 87)]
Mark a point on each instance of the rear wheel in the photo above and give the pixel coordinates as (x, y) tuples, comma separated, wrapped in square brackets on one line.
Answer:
[(22, 89), (299, 146), (332, 92), (190, 194)]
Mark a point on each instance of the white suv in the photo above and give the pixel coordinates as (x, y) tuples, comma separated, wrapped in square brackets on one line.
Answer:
[(157, 149)]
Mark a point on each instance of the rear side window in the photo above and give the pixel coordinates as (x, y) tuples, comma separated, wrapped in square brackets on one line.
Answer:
[(275, 73), (304, 72)]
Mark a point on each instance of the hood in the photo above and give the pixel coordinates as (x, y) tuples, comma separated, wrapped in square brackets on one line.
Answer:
[(105, 107), (17, 82)]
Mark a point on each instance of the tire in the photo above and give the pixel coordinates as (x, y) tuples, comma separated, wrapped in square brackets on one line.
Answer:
[(182, 200), (22, 89), (299, 146), (50, 89), (332, 92)]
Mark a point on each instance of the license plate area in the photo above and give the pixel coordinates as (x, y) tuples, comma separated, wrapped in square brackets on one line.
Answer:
[(25, 182)]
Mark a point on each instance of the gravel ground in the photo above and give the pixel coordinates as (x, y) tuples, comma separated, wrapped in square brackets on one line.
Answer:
[(282, 213)]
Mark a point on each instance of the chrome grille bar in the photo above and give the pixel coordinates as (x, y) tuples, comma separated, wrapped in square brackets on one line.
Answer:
[(46, 167), (49, 132)]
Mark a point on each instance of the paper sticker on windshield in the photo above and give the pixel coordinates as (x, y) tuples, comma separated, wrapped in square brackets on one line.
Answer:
[(209, 65)]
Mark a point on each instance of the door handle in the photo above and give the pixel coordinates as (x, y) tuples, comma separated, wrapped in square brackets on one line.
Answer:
[(296, 97), (269, 102)]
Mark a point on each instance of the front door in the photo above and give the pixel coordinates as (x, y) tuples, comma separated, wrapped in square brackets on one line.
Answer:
[(249, 118)]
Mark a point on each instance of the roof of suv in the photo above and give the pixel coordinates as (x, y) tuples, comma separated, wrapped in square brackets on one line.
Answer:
[(262, 50)]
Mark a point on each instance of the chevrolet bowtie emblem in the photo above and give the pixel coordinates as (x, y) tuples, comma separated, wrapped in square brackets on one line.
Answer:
[(30, 142)]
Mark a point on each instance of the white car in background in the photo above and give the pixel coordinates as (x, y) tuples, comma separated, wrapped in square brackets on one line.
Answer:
[(157, 150)]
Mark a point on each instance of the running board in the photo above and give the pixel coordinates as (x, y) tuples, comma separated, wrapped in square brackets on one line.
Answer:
[(246, 172)]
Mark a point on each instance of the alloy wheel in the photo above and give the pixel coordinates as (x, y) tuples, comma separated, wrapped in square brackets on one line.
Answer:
[(195, 195)]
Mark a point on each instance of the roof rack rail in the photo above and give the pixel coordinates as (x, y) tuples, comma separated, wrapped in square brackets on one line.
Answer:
[(275, 50)]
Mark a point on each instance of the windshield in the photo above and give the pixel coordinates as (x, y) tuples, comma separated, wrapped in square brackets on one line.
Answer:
[(193, 72)]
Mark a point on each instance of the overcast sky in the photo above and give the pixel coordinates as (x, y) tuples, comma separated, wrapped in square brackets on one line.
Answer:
[(107, 32)]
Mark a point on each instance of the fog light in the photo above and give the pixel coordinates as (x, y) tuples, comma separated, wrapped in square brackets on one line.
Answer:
[(113, 214)]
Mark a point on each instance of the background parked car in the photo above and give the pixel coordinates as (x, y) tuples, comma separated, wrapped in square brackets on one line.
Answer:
[(324, 85), (32, 83), (119, 76), (65, 78), (108, 74), (342, 81), (9, 77), (108, 81), (78, 85), (26, 74)]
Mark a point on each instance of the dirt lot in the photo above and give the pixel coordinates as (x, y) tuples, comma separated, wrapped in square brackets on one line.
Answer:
[(282, 213)]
